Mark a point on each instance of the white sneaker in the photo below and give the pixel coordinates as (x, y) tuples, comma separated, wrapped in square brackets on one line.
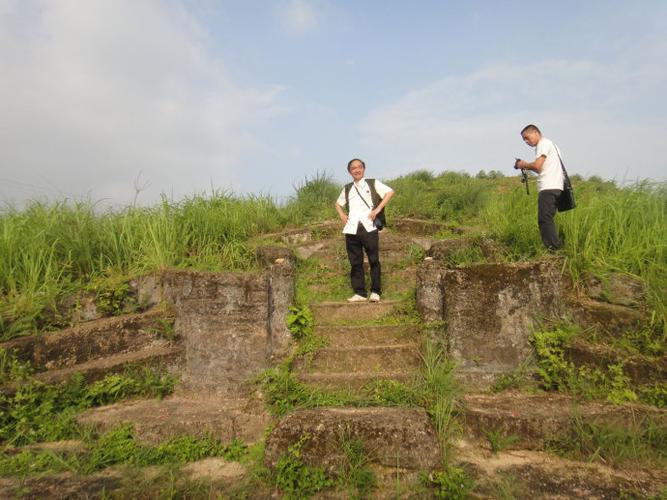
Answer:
[(374, 297), (357, 298)]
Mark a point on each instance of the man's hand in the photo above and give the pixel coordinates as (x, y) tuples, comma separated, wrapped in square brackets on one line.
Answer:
[(374, 213), (341, 213), (520, 164)]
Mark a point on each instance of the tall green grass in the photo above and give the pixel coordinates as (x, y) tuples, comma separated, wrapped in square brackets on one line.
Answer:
[(313, 200), (449, 196), (47, 251), (612, 230), (50, 250)]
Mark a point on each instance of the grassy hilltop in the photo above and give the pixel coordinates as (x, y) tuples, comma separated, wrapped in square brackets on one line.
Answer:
[(49, 251)]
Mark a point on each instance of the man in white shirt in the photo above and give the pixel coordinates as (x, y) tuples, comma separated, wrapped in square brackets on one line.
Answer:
[(360, 228), (547, 165)]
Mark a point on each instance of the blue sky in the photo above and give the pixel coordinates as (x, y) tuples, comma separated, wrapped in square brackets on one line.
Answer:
[(104, 98)]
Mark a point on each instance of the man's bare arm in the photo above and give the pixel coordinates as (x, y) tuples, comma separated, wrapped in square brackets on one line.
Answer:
[(374, 213), (535, 166), (341, 213)]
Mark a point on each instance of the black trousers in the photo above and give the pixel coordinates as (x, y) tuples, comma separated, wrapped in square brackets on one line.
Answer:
[(355, 244), (546, 210)]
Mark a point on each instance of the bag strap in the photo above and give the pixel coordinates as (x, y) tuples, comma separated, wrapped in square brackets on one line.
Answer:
[(567, 177), (362, 198), (375, 196)]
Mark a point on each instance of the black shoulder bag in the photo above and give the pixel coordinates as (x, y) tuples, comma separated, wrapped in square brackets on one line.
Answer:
[(565, 201)]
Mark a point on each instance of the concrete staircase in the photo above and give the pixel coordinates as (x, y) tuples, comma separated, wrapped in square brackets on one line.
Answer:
[(364, 341)]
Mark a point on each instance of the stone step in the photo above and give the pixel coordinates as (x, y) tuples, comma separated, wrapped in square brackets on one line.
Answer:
[(369, 335), (641, 369), (90, 340), (351, 381), (537, 419), (326, 313), (393, 437), (400, 357), (164, 355), (155, 421), (535, 474), (612, 319), (399, 280)]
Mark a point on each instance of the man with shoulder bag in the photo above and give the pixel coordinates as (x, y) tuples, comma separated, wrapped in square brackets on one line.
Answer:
[(365, 200), (553, 184)]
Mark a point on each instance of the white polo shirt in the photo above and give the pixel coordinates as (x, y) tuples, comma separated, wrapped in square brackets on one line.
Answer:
[(551, 176), (358, 211)]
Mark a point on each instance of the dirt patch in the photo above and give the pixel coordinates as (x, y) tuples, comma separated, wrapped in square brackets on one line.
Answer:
[(215, 469)]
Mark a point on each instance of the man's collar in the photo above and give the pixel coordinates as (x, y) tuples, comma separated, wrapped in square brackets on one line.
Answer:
[(361, 182)]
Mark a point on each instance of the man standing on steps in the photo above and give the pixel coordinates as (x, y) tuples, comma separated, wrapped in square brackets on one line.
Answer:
[(547, 165), (365, 199)]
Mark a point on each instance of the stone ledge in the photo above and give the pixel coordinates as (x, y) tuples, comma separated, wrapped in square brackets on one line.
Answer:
[(390, 436)]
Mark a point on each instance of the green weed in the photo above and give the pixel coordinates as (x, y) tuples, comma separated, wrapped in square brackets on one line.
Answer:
[(520, 378), (300, 322), (11, 368), (440, 392), (41, 412), (498, 441), (294, 478), (355, 473), (114, 298), (552, 367), (655, 394), (164, 328), (452, 483), (556, 373)]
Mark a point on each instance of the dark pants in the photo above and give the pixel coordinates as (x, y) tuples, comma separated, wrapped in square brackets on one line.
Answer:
[(355, 244), (546, 209)]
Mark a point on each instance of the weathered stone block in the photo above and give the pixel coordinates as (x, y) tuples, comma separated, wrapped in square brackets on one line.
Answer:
[(430, 294), (281, 279), (390, 436), (490, 310), (223, 319)]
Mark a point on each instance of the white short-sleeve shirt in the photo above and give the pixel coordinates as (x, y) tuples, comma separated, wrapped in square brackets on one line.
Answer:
[(551, 176), (358, 211)]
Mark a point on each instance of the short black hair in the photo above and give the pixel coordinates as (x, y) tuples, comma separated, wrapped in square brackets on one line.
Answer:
[(349, 163), (531, 128)]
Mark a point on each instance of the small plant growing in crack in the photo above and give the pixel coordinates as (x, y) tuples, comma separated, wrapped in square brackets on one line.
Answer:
[(499, 441)]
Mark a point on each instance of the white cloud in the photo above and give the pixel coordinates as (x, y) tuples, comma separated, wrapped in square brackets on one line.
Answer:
[(92, 93), (608, 118), (298, 16)]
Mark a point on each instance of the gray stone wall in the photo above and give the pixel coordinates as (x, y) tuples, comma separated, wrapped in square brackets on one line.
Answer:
[(233, 325), (489, 311)]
